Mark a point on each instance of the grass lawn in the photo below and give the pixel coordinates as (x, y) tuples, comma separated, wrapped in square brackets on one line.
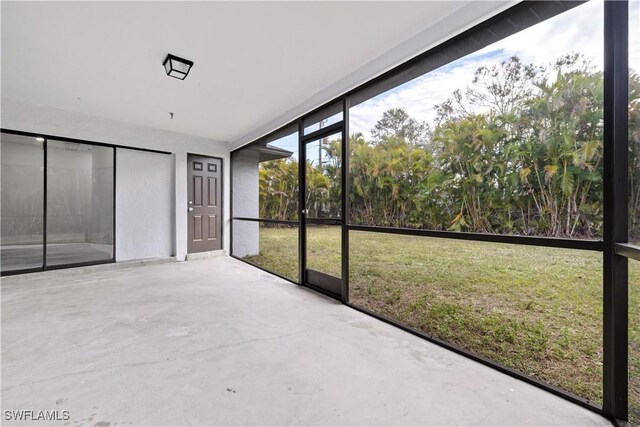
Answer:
[(537, 310)]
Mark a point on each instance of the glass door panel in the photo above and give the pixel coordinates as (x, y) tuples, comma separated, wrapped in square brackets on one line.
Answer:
[(324, 249), (323, 213), (79, 203), (21, 203), (323, 198)]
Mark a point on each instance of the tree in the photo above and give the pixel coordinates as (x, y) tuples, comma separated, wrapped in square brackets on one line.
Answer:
[(396, 123), (518, 152)]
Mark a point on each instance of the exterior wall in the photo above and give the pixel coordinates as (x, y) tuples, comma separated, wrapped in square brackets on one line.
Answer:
[(144, 205), (16, 115), (245, 203)]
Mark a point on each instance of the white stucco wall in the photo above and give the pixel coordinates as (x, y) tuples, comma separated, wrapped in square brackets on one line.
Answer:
[(17, 115), (246, 193), (144, 205)]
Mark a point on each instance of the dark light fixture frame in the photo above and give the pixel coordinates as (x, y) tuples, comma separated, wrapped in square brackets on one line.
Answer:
[(174, 72)]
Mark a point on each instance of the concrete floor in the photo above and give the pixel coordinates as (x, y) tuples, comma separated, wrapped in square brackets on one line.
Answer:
[(217, 341)]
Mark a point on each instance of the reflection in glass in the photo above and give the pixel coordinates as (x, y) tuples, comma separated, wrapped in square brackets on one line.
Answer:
[(324, 177), (79, 203), (537, 310), (278, 179), (266, 174), (21, 202)]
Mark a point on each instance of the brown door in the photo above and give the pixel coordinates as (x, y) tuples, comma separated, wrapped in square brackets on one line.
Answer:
[(204, 204)]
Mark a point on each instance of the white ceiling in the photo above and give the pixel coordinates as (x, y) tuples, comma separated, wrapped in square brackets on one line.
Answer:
[(257, 64)]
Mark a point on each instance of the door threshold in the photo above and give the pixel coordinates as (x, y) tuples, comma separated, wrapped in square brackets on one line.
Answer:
[(206, 255)]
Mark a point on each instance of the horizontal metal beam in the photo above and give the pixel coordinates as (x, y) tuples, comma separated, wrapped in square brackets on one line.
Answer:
[(22, 271), (79, 141), (552, 242), (329, 130), (266, 221), (324, 221), (628, 251)]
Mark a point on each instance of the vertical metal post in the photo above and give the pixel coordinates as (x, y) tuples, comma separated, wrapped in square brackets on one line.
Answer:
[(302, 188), (345, 200), (113, 225), (231, 204), (615, 322), (44, 207)]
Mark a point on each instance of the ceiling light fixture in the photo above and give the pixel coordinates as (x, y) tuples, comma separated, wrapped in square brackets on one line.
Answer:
[(177, 67)]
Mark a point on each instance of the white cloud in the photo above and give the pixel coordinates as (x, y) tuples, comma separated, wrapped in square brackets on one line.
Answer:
[(634, 35), (578, 30)]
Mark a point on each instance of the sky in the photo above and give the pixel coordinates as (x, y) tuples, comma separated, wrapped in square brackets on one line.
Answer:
[(578, 30)]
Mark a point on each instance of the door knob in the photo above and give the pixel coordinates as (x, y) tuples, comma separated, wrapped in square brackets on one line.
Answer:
[(190, 209)]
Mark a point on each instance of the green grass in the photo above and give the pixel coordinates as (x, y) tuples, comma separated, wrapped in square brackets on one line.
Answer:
[(537, 310)]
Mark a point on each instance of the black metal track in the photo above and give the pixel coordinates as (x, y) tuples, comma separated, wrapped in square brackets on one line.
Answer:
[(23, 271), (324, 221), (487, 362), (113, 201), (628, 251), (552, 242), (345, 201), (267, 221), (79, 141), (615, 215), (321, 133), (302, 217), (44, 205)]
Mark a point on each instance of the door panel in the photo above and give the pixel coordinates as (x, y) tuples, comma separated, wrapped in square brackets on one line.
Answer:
[(79, 203), (323, 212), (196, 191), (197, 228), (213, 192), (204, 206), (21, 203), (324, 249), (213, 232)]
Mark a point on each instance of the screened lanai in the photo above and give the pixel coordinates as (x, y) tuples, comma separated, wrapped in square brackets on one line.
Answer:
[(320, 213), (483, 196)]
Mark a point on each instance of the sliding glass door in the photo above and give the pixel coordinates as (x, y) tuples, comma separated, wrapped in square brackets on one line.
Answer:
[(61, 219), (322, 213), (21, 203), (79, 203)]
